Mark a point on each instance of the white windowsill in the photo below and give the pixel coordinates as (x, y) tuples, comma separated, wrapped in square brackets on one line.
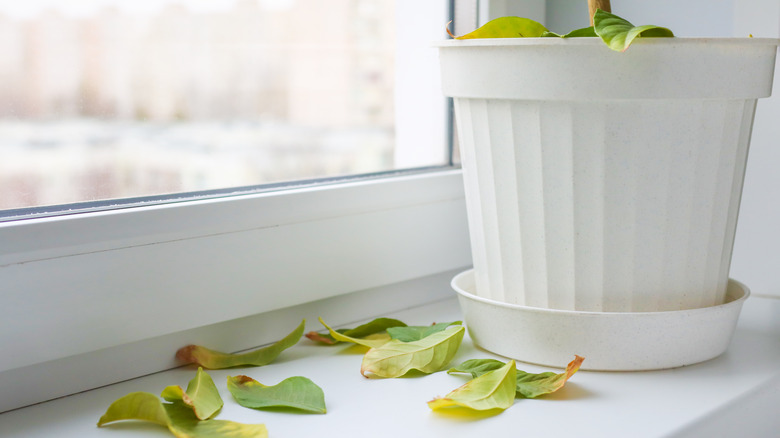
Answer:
[(732, 395), (98, 298)]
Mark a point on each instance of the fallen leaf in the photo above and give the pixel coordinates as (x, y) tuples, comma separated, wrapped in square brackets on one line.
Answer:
[(177, 417), (136, 406), (371, 343), (378, 325), (618, 33), (529, 385), (215, 360), (428, 355), (294, 392), (477, 367), (494, 389), (533, 385), (201, 395), (417, 332)]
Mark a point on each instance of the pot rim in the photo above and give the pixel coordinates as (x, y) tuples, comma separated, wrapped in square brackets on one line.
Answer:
[(592, 41)]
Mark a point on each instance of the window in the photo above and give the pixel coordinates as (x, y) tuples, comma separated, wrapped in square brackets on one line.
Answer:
[(84, 287), (110, 99)]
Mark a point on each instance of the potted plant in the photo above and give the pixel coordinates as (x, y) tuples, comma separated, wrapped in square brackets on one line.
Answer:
[(601, 179)]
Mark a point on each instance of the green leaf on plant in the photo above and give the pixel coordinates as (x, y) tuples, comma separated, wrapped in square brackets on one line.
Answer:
[(295, 392), (201, 395), (618, 33), (529, 385), (373, 341), (177, 417), (577, 33), (428, 355), (376, 326), (507, 27), (214, 360), (417, 332), (494, 389), (585, 32)]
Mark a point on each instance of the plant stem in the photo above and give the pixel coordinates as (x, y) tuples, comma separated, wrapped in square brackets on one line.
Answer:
[(597, 4)]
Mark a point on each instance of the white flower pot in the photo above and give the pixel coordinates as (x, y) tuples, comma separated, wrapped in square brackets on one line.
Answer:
[(604, 181)]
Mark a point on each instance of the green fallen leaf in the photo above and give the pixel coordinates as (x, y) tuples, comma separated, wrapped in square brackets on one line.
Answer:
[(201, 395), (177, 417), (417, 332), (618, 33), (136, 406), (295, 392), (529, 385), (215, 360), (533, 385), (507, 27), (367, 342), (428, 355), (477, 367), (494, 389), (376, 326)]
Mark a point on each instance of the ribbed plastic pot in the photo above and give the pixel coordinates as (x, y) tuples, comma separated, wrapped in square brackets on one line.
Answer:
[(604, 181)]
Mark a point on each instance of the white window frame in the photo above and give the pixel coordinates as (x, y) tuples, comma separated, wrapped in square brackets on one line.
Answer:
[(97, 285)]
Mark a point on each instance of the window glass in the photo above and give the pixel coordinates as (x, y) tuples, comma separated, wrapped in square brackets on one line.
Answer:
[(107, 99)]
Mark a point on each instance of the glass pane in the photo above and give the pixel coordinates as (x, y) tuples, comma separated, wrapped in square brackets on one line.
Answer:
[(107, 99)]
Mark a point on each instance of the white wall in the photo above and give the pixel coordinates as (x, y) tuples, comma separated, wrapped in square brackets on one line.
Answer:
[(757, 248), (684, 17)]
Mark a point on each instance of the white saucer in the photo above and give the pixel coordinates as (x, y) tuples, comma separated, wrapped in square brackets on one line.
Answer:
[(609, 341)]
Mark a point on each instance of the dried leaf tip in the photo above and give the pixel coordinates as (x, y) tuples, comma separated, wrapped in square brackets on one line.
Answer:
[(242, 379), (447, 28), (318, 337), (575, 364), (184, 354)]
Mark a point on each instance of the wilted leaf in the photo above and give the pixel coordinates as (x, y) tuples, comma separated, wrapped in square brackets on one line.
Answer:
[(429, 355), (177, 417), (295, 392), (529, 385), (477, 367), (533, 385), (507, 27), (136, 406), (371, 343), (215, 360), (618, 33), (493, 390), (417, 332), (201, 395), (378, 325)]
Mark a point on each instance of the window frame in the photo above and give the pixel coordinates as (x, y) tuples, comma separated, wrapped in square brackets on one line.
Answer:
[(85, 292), (134, 275)]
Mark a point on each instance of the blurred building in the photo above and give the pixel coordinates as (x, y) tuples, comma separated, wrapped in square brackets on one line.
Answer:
[(122, 104)]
